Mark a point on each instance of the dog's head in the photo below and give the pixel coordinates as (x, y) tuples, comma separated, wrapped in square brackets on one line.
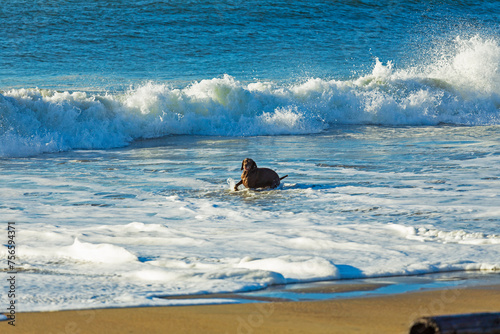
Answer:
[(248, 164)]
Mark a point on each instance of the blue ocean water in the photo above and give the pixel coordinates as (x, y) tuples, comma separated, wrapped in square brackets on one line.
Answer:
[(123, 125), (113, 44)]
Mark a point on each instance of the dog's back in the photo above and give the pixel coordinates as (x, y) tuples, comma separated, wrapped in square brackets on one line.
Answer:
[(260, 178)]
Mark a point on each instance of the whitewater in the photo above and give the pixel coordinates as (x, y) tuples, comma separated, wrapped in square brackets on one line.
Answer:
[(124, 227), (122, 136), (461, 88)]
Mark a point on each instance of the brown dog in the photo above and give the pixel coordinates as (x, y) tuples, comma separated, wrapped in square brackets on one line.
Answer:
[(253, 177)]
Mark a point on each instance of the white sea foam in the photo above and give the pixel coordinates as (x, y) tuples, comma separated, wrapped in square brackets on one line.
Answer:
[(122, 227), (79, 251), (294, 269), (460, 236), (104, 253), (460, 87)]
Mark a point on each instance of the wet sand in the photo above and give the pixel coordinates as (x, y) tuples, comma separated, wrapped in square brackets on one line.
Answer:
[(374, 314)]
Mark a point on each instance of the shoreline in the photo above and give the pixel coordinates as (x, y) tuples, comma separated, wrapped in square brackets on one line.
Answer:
[(368, 313), (344, 288)]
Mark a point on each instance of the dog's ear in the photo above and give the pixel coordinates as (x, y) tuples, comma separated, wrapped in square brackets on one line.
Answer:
[(243, 163), (254, 165)]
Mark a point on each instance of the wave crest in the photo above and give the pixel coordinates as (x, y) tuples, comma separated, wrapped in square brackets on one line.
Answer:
[(461, 88)]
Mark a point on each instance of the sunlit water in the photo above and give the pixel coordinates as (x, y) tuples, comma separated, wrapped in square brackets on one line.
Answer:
[(123, 126)]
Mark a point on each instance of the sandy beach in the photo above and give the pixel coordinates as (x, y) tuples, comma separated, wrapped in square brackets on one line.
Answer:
[(379, 314), (124, 126)]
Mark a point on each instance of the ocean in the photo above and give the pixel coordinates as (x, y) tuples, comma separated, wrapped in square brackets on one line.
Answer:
[(123, 125)]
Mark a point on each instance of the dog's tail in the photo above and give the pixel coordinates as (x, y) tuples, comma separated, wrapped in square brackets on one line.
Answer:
[(281, 178)]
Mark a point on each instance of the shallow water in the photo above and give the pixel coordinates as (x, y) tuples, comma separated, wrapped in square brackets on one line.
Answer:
[(123, 126), (160, 217)]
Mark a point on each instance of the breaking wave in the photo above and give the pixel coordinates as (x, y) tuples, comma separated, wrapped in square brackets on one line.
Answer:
[(461, 87)]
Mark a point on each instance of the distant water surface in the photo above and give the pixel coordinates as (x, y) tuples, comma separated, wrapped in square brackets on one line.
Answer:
[(123, 125)]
